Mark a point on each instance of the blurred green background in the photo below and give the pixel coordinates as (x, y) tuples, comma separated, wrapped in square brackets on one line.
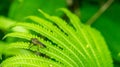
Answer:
[(108, 23)]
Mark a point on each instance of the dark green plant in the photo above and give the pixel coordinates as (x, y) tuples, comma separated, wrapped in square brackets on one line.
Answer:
[(23, 8), (71, 44)]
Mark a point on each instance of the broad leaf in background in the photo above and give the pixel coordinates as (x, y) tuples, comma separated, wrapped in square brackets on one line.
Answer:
[(23, 8)]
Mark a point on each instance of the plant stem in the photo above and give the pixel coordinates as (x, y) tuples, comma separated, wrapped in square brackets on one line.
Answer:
[(99, 12)]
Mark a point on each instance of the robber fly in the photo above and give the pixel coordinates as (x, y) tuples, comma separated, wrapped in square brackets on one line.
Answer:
[(35, 41)]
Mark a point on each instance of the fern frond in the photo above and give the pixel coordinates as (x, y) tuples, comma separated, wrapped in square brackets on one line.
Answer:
[(52, 36), (29, 61), (16, 48), (24, 45), (64, 38), (73, 18), (72, 35), (75, 45), (26, 36), (29, 36), (45, 33), (98, 42)]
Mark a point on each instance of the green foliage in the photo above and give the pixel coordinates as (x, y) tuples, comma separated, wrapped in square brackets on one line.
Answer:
[(4, 21), (4, 7), (23, 8), (71, 44), (29, 61)]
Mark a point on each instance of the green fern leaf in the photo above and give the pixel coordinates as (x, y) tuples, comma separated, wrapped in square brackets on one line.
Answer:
[(24, 45), (75, 45), (29, 61)]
